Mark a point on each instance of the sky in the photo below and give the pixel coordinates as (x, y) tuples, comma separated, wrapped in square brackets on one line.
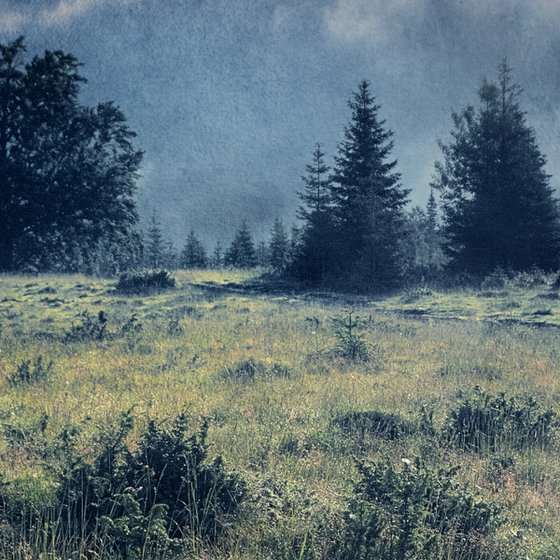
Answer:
[(229, 97)]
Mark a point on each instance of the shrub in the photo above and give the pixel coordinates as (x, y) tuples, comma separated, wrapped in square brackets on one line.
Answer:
[(350, 344), (483, 422), (158, 497), (90, 327), (415, 512), (95, 328), (146, 282), (31, 373), (379, 424), (251, 370)]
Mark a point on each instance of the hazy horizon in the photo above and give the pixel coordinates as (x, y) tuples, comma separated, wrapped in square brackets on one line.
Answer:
[(229, 98)]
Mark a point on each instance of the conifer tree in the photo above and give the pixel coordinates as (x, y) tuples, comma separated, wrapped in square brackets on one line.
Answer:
[(262, 254), (367, 198), (315, 196), (193, 254), (154, 245), (499, 209), (279, 249), (314, 258), (218, 255), (241, 252)]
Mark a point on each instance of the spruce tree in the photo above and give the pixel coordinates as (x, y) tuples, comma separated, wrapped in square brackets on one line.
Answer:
[(241, 252), (279, 248), (498, 206), (314, 258), (218, 255), (367, 198), (193, 254), (154, 245), (262, 254), (316, 195)]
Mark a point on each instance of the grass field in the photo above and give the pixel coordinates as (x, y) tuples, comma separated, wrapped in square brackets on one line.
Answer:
[(268, 373)]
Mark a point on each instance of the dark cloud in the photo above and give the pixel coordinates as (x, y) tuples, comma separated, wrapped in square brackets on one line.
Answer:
[(229, 96)]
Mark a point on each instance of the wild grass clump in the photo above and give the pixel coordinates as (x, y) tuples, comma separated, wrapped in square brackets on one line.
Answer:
[(31, 372), (485, 422), (415, 511), (373, 423), (252, 370), (145, 282)]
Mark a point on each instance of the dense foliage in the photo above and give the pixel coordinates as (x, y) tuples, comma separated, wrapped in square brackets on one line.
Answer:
[(67, 172), (499, 208)]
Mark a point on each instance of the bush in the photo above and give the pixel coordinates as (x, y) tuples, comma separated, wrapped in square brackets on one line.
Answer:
[(415, 512), (379, 424), (28, 373), (251, 370), (163, 495), (483, 422), (95, 328), (147, 282), (350, 344)]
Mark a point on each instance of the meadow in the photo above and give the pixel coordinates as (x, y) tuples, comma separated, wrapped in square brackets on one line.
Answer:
[(334, 414)]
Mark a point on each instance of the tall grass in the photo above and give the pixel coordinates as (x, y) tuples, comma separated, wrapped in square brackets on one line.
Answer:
[(278, 425)]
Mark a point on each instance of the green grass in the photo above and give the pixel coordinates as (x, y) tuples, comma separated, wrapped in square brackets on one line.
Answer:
[(281, 429)]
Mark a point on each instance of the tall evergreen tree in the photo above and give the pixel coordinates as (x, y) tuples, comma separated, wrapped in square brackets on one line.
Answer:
[(67, 172), (279, 247), (218, 255), (241, 252), (499, 208), (314, 257), (193, 254), (154, 245), (262, 254), (368, 198), (316, 193)]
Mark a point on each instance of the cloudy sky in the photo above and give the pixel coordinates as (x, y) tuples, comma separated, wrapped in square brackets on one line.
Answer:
[(228, 97)]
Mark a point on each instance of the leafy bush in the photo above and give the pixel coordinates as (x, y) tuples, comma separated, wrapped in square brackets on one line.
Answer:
[(251, 370), (415, 512), (158, 497), (483, 422), (90, 327), (146, 282), (95, 328), (379, 424), (28, 373), (171, 469)]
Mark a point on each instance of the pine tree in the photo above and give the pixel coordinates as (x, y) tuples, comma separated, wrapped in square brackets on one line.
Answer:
[(170, 258), (498, 206), (315, 196), (218, 255), (368, 199), (154, 245), (241, 252), (262, 254), (279, 247), (193, 254), (315, 253)]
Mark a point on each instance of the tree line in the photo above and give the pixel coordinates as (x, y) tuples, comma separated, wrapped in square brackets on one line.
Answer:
[(68, 180)]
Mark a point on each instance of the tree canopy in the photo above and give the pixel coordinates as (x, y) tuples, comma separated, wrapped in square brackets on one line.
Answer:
[(498, 205), (67, 172)]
